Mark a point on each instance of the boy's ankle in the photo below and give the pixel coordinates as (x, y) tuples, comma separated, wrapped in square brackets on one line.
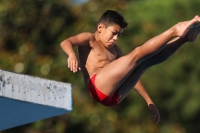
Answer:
[(172, 31)]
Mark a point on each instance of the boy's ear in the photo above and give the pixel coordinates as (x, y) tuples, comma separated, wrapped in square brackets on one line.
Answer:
[(100, 27)]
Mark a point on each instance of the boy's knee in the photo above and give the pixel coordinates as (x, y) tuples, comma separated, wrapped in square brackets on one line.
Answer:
[(136, 55)]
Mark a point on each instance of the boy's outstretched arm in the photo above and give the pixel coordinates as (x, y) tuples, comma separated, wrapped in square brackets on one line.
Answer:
[(67, 46), (141, 90)]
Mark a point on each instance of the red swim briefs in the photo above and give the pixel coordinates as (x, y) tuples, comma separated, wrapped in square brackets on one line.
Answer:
[(99, 96)]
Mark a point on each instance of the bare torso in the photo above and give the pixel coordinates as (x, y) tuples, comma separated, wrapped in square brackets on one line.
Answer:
[(93, 57)]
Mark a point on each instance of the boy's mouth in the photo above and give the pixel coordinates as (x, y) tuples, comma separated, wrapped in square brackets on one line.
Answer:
[(111, 43)]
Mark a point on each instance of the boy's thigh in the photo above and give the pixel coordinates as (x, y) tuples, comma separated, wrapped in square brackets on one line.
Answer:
[(113, 75)]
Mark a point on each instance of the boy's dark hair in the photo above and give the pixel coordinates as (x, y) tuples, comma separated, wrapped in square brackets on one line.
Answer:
[(112, 17)]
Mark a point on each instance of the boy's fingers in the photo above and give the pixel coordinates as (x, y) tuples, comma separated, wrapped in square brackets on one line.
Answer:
[(158, 119), (75, 66), (68, 64), (156, 116)]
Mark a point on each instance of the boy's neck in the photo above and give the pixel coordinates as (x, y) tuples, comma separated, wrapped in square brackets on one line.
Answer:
[(96, 36)]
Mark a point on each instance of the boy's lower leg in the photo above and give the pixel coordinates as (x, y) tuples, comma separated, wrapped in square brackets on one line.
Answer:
[(169, 49), (156, 44), (172, 47)]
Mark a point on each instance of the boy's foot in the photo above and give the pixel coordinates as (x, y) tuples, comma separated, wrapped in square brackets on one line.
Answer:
[(195, 25), (193, 34)]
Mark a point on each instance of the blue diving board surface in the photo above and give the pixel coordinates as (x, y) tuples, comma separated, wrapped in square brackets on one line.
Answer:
[(25, 99)]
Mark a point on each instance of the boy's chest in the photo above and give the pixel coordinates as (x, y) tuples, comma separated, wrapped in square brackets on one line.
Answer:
[(104, 54)]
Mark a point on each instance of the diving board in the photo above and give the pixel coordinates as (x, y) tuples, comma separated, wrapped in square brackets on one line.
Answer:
[(25, 99)]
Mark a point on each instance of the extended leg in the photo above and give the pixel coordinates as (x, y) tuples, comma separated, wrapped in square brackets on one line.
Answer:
[(163, 55)]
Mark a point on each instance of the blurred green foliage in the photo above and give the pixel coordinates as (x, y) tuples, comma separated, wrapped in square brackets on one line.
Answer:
[(30, 36)]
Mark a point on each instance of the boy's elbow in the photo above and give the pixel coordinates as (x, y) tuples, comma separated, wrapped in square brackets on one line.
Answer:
[(63, 43)]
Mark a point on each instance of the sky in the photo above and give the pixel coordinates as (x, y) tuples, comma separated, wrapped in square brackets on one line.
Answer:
[(80, 1)]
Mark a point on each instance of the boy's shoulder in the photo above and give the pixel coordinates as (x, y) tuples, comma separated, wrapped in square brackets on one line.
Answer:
[(89, 34)]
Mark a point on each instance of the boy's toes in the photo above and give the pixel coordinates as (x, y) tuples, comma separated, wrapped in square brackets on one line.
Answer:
[(196, 16)]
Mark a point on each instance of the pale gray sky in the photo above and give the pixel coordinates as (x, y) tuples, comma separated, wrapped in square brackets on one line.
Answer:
[(80, 1)]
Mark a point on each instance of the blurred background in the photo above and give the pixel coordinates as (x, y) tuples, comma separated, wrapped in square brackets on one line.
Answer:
[(30, 36)]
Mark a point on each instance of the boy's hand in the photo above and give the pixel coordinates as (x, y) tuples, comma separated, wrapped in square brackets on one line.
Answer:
[(73, 63), (156, 114)]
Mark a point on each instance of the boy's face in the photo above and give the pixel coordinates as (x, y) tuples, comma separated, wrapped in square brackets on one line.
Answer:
[(109, 35)]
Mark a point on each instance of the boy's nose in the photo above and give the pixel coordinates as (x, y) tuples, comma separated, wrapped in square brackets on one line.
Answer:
[(115, 37)]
